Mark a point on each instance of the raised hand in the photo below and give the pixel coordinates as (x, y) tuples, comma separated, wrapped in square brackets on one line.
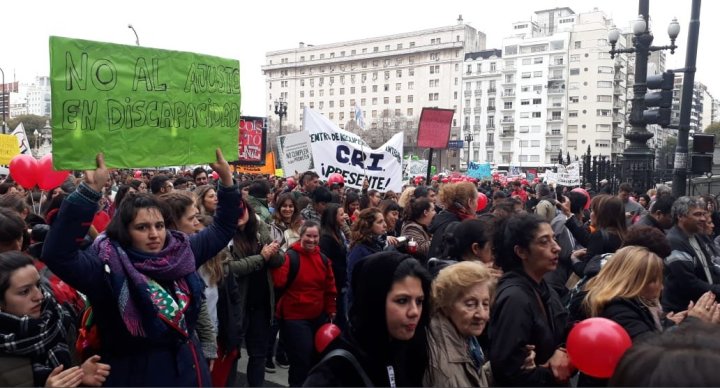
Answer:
[(222, 167), (98, 177)]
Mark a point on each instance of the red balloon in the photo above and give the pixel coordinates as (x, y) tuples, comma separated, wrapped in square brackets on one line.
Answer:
[(24, 170), (524, 182), (48, 177), (596, 345), (291, 182), (138, 174), (435, 177), (215, 175), (325, 334), (585, 193), (482, 202), (445, 180)]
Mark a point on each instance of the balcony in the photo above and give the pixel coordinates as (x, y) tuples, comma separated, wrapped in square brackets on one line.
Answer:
[(468, 93), (507, 133), (489, 144), (617, 133), (466, 110), (477, 108), (490, 127), (507, 120), (555, 77), (554, 134), (509, 69), (478, 92), (555, 91), (617, 118), (557, 64), (553, 148), (476, 127), (616, 148), (618, 90), (552, 119), (508, 94), (491, 108), (492, 91), (508, 108)]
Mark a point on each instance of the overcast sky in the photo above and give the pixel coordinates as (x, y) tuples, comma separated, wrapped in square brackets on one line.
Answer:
[(246, 30)]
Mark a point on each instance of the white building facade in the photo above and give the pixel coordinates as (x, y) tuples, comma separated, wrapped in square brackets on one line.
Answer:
[(393, 75)]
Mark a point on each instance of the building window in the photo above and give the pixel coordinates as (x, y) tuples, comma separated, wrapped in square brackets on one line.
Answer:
[(578, 44), (537, 101), (535, 114), (573, 113), (410, 98), (604, 84), (524, 102), (538, 60), (574, 99), (604, 98), (398, 99)]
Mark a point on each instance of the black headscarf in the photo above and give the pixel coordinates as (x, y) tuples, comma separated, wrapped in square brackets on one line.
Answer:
[(372, 280)]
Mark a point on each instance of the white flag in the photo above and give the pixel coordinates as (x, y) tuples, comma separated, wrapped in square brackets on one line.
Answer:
[(19, 132), (359, 116), (345, 153)]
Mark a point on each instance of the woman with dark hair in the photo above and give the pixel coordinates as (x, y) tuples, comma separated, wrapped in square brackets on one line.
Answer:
[(122, 191), (251, 257), (391, 212), (334, 244), (12, 232), (139, 185), (351, 206), (141, 279), (371, 199), (419, 213), (386, 335), (366, 238), (285, 227), (607, 215), (644, 201), (36, 332), (527, 314), (307, 302)]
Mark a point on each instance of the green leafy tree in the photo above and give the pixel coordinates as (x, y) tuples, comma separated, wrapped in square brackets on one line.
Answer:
[(30, 122), (713, 129)]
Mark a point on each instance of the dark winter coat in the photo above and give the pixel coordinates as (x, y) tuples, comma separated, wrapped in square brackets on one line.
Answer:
[(517, 319), (437, 229), (172, 360), (685, 278)]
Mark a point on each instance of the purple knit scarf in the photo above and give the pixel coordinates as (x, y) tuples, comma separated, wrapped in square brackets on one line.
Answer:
[(130, 269)]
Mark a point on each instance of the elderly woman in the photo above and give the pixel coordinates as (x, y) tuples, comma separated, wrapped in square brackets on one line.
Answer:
[(141, 278), (461, 296)]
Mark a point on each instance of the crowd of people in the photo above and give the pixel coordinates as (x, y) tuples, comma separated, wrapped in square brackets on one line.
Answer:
[(160, 278)]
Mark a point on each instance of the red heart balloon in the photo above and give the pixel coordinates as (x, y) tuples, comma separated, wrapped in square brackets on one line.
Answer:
[(325, 334), (214, 175), (48, 177), (24, 170), (137, 174)]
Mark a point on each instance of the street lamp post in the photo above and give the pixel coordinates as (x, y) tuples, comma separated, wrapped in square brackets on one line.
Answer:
[(37, 145), (638, 158), (468, 139), (281, 111)]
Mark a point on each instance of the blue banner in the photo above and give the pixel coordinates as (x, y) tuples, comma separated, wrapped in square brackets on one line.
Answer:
[(479, 170)]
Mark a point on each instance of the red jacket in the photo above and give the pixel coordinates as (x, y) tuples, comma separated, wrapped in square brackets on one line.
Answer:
[(313, 290)]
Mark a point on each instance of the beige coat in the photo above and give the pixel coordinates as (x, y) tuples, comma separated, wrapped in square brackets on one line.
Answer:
[(450, 364)]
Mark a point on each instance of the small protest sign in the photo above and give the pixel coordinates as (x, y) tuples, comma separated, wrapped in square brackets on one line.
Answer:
[(140, 106), (8, 148)]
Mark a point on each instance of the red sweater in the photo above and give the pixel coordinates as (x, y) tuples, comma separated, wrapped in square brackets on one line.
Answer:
[(313, 290)]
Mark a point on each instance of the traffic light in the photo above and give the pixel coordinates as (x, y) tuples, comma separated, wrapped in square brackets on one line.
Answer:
[(660, 100)]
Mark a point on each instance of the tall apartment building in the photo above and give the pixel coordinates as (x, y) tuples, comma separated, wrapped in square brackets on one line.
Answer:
[(701, 114), (558, 91), (390, 77), (31, 97)]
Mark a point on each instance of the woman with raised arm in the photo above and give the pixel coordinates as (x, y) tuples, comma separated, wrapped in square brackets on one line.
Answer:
[(141, 279)]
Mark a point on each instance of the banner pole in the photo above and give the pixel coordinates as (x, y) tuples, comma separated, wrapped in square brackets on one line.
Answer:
[(429, 168)]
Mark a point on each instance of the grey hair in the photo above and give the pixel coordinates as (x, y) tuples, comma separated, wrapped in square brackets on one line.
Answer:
[(681, 207), (663, 190)]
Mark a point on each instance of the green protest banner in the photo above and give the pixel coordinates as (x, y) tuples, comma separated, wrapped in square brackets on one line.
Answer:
[(141, 107)]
